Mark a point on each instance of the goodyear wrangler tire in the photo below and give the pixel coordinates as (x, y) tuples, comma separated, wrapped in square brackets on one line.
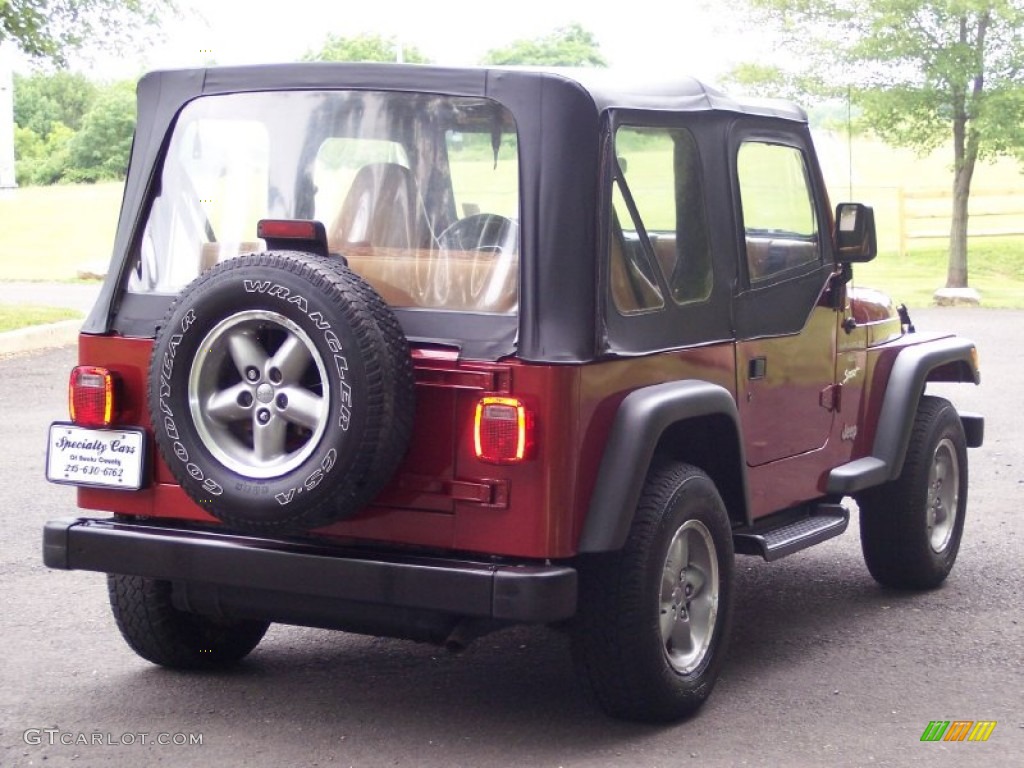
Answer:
[(281, 391), (911, 527), (654, 617), (158, 632)]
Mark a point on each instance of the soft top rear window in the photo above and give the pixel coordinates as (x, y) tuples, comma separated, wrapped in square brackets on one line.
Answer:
[(419, 192)]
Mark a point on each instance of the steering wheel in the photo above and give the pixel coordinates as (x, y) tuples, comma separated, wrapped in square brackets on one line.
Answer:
[(481, 231), (485, 245)]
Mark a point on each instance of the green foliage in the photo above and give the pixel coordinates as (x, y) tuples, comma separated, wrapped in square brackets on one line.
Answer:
[(571, 46), (100, 150), (914, 66), (364, 48), (69, 129), (906, 116), (777, 82), (42, 100), (50, 29), (1003, 123), (41, 160)]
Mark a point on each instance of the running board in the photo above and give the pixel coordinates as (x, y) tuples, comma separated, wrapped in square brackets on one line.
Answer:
[(778, 538)]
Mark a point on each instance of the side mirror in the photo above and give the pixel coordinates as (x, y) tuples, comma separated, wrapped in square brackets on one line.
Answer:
[(855, 233)]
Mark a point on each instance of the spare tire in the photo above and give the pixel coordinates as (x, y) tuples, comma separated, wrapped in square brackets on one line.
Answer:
[(281, 391)]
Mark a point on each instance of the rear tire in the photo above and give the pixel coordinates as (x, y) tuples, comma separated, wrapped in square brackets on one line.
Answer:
[(910, 528), (160, 633), (654, 618), (281, 392)]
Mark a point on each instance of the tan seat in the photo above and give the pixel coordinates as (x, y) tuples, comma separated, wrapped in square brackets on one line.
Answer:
[(378, 209)]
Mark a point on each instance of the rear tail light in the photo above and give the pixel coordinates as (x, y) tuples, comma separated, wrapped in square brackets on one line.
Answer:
[(502, 430), (91, 396)]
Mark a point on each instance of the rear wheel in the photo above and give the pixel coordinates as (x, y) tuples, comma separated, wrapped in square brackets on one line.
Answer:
[(162, 634), (910, 528), (654, 618)]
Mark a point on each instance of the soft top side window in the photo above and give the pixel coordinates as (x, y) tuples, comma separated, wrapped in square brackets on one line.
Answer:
[(659, 239), (780, 226)]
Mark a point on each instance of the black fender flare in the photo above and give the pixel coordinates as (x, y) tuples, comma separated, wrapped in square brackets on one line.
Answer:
[(640, 422), (905, 386)]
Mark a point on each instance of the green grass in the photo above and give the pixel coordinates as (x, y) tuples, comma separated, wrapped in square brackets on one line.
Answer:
[(995, 269), (17, 316), (51, 233)]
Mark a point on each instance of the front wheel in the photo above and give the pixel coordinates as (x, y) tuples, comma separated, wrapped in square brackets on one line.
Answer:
[(160, 633), (910, 528), (654, 618)]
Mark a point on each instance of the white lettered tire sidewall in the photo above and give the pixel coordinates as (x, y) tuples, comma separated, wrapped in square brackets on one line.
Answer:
[(239, 306)]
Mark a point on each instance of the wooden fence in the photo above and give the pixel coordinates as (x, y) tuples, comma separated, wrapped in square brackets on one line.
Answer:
[(926, 214)]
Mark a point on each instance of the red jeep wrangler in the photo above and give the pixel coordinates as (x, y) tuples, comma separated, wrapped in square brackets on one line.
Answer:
[(424, 352)]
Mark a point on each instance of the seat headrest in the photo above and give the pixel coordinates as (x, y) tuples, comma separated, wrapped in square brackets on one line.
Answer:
[(378, 208)]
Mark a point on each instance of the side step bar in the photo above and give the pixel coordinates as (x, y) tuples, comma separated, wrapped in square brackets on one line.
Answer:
[(773, 539)]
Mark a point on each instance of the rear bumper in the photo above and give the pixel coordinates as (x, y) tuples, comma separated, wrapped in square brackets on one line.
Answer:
[(320, 574)]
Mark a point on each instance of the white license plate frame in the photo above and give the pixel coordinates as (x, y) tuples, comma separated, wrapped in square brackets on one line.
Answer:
[(96, 458)]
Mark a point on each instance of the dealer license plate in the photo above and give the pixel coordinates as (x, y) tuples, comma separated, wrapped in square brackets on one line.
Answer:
[(109, 458)]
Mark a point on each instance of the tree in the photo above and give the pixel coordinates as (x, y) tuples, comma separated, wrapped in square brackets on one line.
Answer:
[(41, 160), (43, 100), (571, 46), (100, 149), (84, 139), (923, 71), (365, 48), (48, 110), (49, 29)]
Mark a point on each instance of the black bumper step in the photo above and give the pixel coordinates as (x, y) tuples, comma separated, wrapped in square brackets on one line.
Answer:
[(313, 573), (774, 539)]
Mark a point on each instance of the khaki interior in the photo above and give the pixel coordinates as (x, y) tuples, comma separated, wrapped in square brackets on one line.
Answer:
[(485, 280)]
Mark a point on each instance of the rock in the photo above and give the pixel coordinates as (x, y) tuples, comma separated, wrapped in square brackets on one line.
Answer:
[(957, 297), (94, 271)]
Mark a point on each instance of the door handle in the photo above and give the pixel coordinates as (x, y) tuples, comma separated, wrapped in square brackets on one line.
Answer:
[(757, 368)]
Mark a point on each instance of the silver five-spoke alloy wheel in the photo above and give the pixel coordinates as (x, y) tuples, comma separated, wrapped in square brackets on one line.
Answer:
[(258, 392), (943, 495), (689, 596)]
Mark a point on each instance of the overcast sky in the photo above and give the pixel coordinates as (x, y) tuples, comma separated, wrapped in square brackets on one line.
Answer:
[(695, 37)]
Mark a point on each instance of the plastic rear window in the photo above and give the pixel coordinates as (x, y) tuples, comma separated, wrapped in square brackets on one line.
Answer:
[(419, 192)]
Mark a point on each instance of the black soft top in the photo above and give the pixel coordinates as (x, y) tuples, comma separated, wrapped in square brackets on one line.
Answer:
[(607, 88), (558, 113)]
